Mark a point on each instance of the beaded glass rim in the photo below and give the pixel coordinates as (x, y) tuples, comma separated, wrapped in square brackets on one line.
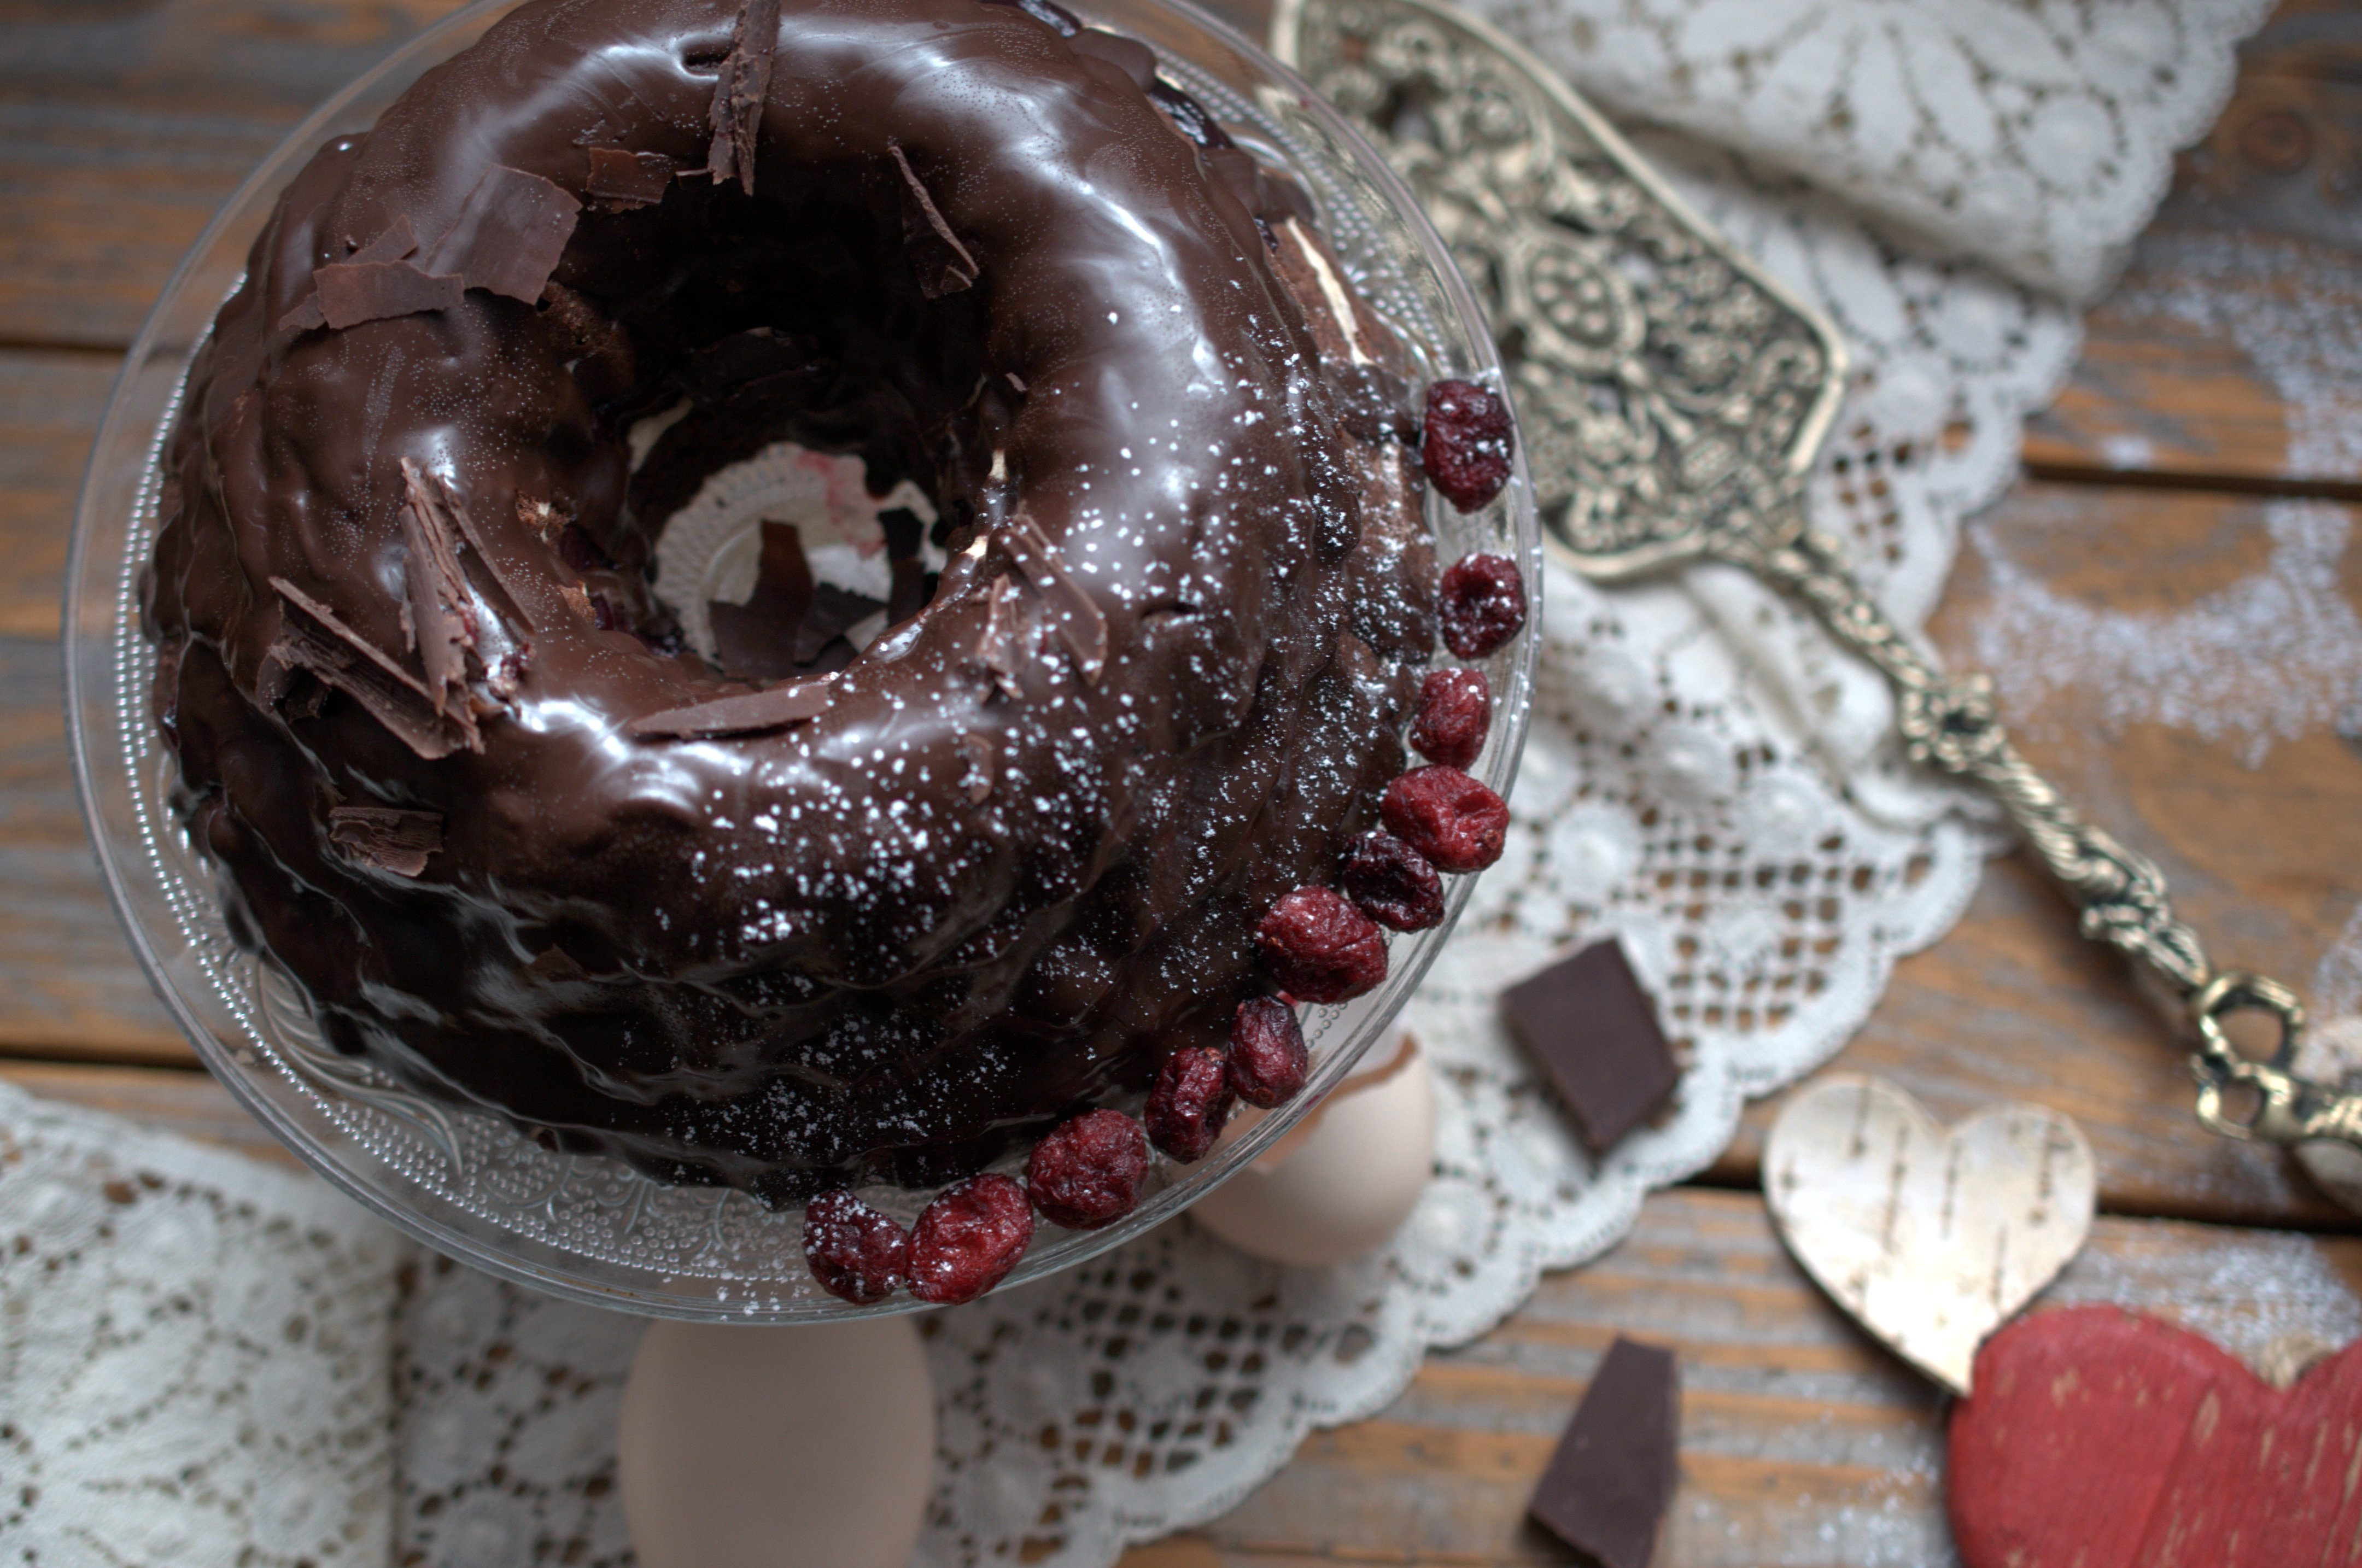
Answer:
[(470, 1184)]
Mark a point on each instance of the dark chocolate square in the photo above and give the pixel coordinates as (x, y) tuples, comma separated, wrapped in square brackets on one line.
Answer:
[(1611, 1479), (1593, 1031)]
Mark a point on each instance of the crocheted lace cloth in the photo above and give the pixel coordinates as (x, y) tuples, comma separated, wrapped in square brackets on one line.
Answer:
[(1708, 779)]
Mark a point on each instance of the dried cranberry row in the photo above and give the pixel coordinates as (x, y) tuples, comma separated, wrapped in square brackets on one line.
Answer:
[(1322, 945)]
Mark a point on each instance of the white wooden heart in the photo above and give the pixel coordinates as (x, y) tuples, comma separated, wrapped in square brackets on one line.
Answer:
[(1932, 1239)]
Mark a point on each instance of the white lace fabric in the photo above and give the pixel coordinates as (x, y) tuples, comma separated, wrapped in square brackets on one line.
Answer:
[(1708, 779), (193, 1354)]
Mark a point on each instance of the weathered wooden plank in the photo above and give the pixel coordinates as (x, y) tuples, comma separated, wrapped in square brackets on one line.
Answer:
[(49, 409), (69, 986), (1802, 1442), (123, 126), (185, 1101), (2183, 666), (2239, 304)]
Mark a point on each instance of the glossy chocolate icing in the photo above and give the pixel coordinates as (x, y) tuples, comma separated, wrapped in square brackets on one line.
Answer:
[(525, 852)]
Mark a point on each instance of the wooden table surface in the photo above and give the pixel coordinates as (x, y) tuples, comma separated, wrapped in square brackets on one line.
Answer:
[(2199, 443)]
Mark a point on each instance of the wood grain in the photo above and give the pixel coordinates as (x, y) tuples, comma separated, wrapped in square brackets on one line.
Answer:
[(50, 407), (1802, 1442), (69, 986), (124, 125), (2242, 294)]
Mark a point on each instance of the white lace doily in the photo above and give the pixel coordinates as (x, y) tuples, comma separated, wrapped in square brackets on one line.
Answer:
[(2037, 136), (1707, 778), (193, 1354)]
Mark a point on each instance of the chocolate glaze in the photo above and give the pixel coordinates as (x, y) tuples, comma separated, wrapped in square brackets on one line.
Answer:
[(526, 853)]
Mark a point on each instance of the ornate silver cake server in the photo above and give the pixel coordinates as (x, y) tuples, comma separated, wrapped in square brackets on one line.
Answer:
[(1672, 397)]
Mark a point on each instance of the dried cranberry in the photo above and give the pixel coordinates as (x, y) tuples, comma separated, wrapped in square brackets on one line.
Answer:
[(853, 1250), (1466, 450), (1088, 1170), (1319, 947), (1482, 604), (1267, 1055), (968, 1239), (1455, 709), (1191, 1101), (1447, 816), (1393, 883)]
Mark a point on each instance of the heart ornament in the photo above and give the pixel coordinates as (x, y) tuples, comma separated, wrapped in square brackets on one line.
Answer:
[(2100, 1439), (1930, 1238)]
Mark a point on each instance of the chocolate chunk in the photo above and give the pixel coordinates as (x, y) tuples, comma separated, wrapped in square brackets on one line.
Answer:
[(1590, 1027), (944, 266), (737, 111), (757, 640), (623, 178), (1608, 1484), (1131, 56), (509, 233), (351, 293), (397, 242), (390, 839), (746, 714)]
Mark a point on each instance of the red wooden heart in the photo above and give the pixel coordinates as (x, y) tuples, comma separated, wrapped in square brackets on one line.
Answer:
[(2100, 1439)]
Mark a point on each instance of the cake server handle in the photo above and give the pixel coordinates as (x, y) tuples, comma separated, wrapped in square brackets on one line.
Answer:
[(1949, 722)]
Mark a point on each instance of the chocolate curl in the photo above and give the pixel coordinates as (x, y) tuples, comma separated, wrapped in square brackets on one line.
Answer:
[(397, 242), (312, 638), (509, 233), (385, 837), (1080, 623), (437, 619), (945, 265), (745, 714), (350, 292), (737, 111), (623, 178)]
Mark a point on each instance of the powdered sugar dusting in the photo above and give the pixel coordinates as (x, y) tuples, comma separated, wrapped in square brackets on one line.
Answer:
[(2279, 654), (2270, 657)]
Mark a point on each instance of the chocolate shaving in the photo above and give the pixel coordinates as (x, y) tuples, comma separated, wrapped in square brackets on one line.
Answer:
[(437, 619), (1606, 1488), (1593, 1031), (770, 710), (738, 111), (977, 781), (441, 511), (351, 293), (996, 646), (385, 837), (1131, 56), (626, 179), (395, 243), (306, 315), (511, 231), (1081, 623), (313, 639), (944, 266), (757, 640)]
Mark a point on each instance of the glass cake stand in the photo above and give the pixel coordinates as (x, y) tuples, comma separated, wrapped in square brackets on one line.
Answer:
[(470, 1184)]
